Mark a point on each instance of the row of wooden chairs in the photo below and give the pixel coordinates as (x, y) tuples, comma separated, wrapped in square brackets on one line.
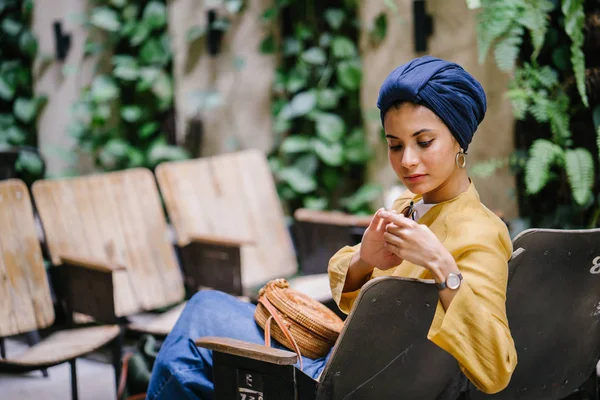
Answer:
[(112, 252)]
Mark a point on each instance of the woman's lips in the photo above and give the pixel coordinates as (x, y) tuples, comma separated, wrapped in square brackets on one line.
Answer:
[(415, 178)]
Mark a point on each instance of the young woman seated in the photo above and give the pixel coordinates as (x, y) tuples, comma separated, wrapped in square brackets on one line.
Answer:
[(430, 110)]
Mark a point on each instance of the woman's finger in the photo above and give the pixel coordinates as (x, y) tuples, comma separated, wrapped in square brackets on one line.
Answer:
[(393, 248), (398, 219), (392, 239), (377, 221)]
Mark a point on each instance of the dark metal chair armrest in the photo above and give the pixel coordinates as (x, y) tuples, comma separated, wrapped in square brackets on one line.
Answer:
[(248, 350)]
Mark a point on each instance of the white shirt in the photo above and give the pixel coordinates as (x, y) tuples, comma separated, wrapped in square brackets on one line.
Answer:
[(420, 209)]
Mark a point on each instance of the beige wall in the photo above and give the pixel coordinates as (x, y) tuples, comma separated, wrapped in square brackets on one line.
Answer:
[(61, 85), (454, 39), (243, 119)]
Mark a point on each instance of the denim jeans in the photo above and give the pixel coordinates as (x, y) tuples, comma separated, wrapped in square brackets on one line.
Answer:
[(183, 371)]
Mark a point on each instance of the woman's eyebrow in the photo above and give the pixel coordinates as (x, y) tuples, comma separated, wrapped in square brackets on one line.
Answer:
[(413, 135)]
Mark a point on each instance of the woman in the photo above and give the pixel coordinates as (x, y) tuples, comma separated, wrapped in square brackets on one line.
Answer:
[(430, 110)]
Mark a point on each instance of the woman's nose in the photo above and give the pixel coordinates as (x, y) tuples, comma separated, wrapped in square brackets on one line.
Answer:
[(409, 158)]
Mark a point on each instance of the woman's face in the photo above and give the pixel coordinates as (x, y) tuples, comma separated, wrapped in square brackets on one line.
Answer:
[(421, 150)]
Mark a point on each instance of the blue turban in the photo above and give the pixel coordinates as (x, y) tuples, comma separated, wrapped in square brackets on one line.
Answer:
[(443, 87)]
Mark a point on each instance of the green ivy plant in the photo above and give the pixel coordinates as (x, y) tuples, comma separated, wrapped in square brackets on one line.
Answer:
[(122, 117), (320, 147), (19, 106), (539, 90)]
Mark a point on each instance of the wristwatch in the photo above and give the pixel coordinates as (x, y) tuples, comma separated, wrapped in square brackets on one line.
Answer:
[(453, 281)]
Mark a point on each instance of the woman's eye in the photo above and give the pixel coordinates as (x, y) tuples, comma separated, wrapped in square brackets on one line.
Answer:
[(395, 148), (425, 144)]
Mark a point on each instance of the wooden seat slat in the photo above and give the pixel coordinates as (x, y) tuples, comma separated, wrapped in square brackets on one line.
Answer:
[(24, 290), (65, 345)]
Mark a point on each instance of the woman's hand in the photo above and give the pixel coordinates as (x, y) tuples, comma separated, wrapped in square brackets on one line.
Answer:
[(413, 242), (373, 250)]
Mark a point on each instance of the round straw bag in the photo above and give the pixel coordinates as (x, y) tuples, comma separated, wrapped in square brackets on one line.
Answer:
[(302, 324)]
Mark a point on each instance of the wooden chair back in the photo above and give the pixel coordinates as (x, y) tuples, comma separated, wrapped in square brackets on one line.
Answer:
[(114, 217), (25, 301), (553, 308), (383, 351), (231, 195)]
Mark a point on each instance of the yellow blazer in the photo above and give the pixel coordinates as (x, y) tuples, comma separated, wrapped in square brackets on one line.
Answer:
[(474, 329)]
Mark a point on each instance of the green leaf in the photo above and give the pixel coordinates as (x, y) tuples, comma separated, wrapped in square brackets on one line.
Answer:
[(579, 166), (331, 178), (153, 52), (268, 45), (140, 34), (7, 90), (343, 47), (26, 9), (104, 89), (296, 144), (270, 14), (6, 120), (328, 98), (148, 76), (113, 153), (90, 48), (296, 81), (366, 194), (291, 47), (379, 30), (357, 150), (315, 203), (126, 67), (315, 56), (105, 18), (25, 109), (574, 13), (349, 75), (28, 44), (301, 104), (335, 17), (148, 129), (155, 15), (118, 3), (298, 180), (331, 154), (194, 33), (234, 6), (308, 163), (163, 88), (11, 27), (161, 152), (542, 155), (131, 113), (325, 40), (507, 49), (30, 162), (16, 135), (330, 127)]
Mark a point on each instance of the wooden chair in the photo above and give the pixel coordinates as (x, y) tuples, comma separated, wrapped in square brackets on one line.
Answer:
[(230, 226), (382, 353), (25, 293), (117, 219), (553, 306)]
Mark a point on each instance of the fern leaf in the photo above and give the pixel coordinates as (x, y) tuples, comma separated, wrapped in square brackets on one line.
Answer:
[(574, 23), (535, 19), (494, 21), (546, 76), (560, 120), (540, 108), (507, 49), (519, 101), (598, 141), (542, 155), (579, 166)]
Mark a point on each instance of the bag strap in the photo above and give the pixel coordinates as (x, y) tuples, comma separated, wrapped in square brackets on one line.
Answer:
[(275, 316)]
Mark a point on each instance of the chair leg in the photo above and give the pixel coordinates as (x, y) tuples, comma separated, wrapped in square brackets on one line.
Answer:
[(74, 394), (2, 349), (117, 352), (34, 338)]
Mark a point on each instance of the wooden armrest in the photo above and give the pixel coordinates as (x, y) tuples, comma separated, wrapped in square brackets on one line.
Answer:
[(249, 350), (332, 218), (219, 240), (90, 263)]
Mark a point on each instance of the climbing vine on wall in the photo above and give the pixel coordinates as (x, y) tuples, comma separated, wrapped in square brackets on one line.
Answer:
[(124, 118), (321, 151), (19, 107)]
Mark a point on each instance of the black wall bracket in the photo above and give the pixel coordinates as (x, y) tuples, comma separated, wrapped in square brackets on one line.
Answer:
[(62, 40), (423, 25)]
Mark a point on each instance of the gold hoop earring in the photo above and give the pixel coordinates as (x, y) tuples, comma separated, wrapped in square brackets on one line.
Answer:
[(461, 159)]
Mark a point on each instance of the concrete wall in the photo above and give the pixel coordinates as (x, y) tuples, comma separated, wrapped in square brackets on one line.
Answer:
[(61, 84), (454, 39), (239, 74)]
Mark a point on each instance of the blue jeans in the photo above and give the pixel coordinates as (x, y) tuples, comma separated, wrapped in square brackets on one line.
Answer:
[(183, 371)]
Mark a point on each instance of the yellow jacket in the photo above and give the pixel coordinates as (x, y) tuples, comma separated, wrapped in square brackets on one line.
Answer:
[(474, 329)]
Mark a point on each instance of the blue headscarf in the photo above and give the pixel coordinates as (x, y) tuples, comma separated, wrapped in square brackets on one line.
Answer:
[(443, 87)]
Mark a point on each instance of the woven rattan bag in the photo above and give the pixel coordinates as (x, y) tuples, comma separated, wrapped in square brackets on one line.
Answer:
[(302, 324)]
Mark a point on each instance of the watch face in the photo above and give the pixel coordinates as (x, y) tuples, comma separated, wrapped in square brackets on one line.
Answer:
[(453, 281)]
